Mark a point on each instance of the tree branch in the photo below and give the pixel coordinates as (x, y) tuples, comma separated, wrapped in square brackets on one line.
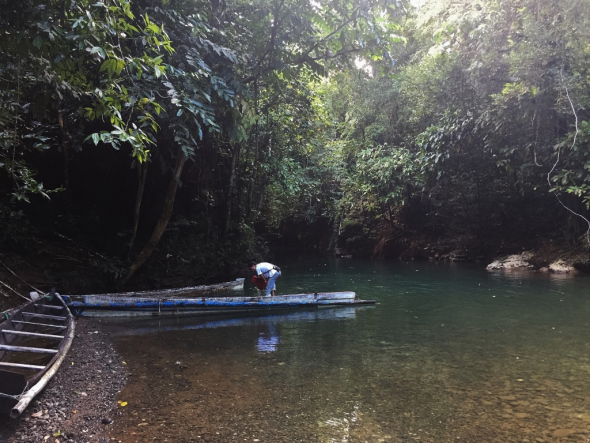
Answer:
[(558, 155)]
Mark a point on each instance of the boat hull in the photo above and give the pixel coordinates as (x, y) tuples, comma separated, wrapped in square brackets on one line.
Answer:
[(114, 305), (34, 340)]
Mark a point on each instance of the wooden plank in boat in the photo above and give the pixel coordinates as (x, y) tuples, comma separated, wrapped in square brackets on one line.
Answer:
[(32, 334), (31, 323), (50, 307), (27, 349), (21, 366), (49, 317)]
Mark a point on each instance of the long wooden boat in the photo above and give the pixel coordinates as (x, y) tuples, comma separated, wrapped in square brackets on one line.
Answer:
[(112, 305), (34, 340)]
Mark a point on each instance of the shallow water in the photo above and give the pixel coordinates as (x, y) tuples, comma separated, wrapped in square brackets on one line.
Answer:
[(449, 353)]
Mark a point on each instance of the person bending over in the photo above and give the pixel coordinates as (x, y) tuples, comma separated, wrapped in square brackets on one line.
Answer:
[(269, 273)]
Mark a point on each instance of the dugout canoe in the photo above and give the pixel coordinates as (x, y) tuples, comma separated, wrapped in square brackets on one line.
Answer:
[(114, 305), (34, 340)]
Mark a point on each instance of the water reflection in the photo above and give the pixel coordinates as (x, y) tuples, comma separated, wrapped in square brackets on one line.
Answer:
[(268, 341), (261, 320)]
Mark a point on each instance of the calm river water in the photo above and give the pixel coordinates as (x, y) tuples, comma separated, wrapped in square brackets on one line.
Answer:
[(449, 353)]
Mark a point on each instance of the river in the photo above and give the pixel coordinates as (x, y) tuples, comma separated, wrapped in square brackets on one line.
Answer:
[(449, 353)]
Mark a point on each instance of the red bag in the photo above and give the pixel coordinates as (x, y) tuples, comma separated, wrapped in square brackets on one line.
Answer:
[(259, 282)]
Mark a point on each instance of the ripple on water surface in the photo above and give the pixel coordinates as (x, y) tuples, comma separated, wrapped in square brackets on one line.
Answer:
[(449, 353)]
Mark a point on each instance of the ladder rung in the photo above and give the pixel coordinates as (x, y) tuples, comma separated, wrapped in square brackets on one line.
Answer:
[(32, 334), (21, 365), (38, 324), (27, 349), (51, 317)]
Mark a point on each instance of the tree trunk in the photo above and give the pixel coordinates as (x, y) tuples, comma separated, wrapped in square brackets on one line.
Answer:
[(64, 147), (64, 141), (262, 195), (247, 204), (141, 175), (253, 215), (162, 221), (232, 189)]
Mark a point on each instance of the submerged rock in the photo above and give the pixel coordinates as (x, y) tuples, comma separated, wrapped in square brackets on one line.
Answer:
[(458, 255)]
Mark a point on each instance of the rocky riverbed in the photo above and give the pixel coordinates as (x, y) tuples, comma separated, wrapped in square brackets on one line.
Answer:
[(79, 403)]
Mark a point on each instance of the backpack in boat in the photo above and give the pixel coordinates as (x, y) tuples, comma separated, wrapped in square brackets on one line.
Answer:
[(259, 282)]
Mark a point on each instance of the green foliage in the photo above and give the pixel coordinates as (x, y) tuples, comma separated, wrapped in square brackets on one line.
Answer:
[(113, 268), (103, 61), (479, 111), (192, 248), (141, 90), (386, 174), (14, 229), (301, 111)]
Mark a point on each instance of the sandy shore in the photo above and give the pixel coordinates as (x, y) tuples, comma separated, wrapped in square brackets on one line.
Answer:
[(79, 403)]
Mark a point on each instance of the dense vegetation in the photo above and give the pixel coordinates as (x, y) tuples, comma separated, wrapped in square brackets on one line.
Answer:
[(179, 138)]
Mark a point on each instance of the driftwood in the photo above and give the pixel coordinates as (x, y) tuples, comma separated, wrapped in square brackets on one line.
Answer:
[(13, 290), (14, 273)]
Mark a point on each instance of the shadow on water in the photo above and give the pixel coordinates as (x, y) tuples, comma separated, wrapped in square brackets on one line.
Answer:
[(450, 353)]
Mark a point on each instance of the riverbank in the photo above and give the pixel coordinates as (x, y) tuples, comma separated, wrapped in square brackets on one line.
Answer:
[(79, 403), (548, 256)]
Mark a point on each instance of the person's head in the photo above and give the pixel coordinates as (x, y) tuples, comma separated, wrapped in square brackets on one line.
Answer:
[(252, 265)]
